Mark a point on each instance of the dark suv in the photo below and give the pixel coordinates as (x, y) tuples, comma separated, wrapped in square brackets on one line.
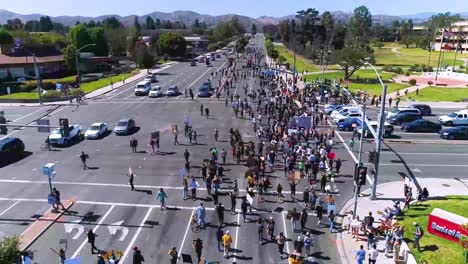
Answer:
[(403, 118), (10, 147), (424, 109)]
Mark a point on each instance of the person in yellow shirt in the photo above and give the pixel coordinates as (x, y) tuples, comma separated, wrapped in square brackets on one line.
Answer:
[(227, 240)]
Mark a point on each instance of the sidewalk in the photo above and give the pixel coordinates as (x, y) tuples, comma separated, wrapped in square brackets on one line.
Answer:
[(387, 192), (100, 91)]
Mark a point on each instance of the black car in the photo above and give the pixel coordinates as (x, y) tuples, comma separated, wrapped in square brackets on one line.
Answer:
[(424, 109), (10, 147), (403, 118), (421, 125), (454, 133)]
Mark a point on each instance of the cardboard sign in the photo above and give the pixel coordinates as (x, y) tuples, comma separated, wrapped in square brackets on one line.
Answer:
[(130, 171), (249, 199), (174, 129), (155, 135)]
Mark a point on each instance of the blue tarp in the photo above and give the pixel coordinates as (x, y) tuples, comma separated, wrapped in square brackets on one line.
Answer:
[(300, 121), (269, 72)]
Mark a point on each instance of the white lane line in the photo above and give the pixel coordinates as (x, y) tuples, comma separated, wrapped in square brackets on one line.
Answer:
[(6, 210), (424, 153), (131, 95), (8, 135), (186, 233), (113, 185), (136, 235), (30, 114), (94, 231), (424, 165), (286, 233), (237, 235)]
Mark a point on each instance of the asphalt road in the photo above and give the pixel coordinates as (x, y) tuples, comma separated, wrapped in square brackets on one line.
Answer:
[(123, 219)]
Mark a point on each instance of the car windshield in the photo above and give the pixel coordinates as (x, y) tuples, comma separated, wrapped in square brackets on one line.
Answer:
[(94, 128), (452, 115), (122, 123), (396, 110), (140, 86), (155, 89), (57, 131), (171, 89)]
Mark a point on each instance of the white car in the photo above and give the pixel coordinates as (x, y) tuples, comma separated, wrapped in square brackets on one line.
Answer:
[(56, 137), (342, 111), (155, 91), (96, 130), (341, 117)]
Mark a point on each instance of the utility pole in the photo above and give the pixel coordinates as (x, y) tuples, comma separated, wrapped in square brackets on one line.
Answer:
[(357, 186), (38, 79)]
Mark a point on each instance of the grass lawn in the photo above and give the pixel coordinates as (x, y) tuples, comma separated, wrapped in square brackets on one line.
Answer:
[(301, 64), (436, 94), (372, 89), (411, 56), (86, 87), (433, 248)]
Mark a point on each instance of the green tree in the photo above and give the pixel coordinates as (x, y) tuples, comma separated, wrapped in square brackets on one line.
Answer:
[(253, 29), (99, 39), (9, 250), (116, 40), (46, 38), (150, 23), (241, 43), (111, 22), (5, 37), (360, 26), (79, 37), (69, 55), (406, 31), (172, 44), (285, 31), (352, 59), (45, 24), (144, 58), (158, 23), (281, 59)]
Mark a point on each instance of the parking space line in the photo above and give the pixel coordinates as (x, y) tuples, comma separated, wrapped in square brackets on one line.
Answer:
[(186, 233), (286, 232), (13, 205), (30, 114), (94, 231), (136, 235), (237, 235)]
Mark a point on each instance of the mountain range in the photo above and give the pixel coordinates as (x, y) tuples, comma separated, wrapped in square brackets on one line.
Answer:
[(188, 17)]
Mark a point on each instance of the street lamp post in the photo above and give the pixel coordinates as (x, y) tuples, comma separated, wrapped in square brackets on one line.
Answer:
[(381, 127), (77, 53), (38, 79), (357, 186)]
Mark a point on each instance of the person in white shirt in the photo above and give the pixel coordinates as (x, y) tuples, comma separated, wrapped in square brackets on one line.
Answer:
[(373, 253)]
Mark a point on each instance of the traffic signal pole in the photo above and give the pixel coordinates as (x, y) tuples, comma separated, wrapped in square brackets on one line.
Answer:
[(357, 188)]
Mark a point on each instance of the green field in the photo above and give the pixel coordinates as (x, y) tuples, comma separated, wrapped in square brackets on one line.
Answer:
[(301, 64), (86, 87), (412, 56), (436, 94), (433, 248), (372, 89)]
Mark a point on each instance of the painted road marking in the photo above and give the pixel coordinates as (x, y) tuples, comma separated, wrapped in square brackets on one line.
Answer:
[(8, 209), (286, 233), (424, 153), (134, 238), (94, 231), (186, 233), (30, 114)]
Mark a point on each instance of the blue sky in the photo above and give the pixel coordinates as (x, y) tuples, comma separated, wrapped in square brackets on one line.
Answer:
[(253, 8)]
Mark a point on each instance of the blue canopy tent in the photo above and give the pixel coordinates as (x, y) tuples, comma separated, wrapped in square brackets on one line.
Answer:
[(269, 72)]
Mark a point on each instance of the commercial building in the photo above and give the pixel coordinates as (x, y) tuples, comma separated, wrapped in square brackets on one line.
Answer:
[(454, 39)]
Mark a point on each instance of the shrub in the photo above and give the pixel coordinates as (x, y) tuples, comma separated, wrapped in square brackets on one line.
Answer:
[(52, 93), (412, 82), (399, 70), (407, 73), (9, 250), (74, 92), (430, 82)]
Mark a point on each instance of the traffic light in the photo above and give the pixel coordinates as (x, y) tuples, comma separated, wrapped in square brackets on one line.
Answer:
[(64, 126), (3, 129), (372, 156), (362, 175)]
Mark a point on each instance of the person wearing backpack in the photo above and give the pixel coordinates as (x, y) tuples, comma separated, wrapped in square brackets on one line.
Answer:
[(417, 235)]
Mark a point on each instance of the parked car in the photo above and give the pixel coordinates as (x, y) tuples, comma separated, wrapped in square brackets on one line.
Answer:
[(10, 147), (155, 91), (57, 138), (454, 133), (332, 107), (455, 118), (125, 126), (343, 110), (172, 90), (204, 91), (421, 125), (424, 109), (397, 111), (348, 124), (218, 55), (151, 77), (193, 63), (350, 113), (388, 130), (143, 87), (96, 130), (403, 118)]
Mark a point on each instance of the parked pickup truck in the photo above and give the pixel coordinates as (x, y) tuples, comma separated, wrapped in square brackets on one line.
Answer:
[(57, 138)]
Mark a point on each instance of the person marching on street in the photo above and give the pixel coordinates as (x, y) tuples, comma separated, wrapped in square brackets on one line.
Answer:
[(271, 228), (233, 196), (244, 208), (201, 212), (220, 211), (137, 256), (219, 238), (201, 109), (173, 255), (207, 112), (83, 158), (161, 196), (134, 144), (193, 188), (58, 202), (303, 219), (197, 244), (131, 177), (227, 240), (185, 188), (91, 240), (280, 241)]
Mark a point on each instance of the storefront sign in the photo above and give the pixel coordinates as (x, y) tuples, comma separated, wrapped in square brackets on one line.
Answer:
[(446, 225)]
